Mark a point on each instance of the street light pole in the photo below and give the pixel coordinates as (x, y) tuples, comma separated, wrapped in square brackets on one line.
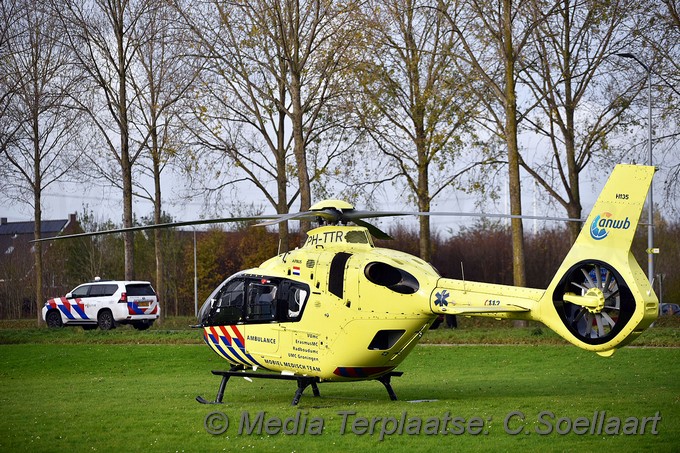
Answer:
[(650, 195), (195, 279)]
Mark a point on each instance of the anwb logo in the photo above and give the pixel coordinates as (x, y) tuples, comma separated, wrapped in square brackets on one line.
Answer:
[(603, 222)]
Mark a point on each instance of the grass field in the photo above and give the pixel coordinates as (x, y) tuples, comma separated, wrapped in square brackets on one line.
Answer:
[(70, 390)]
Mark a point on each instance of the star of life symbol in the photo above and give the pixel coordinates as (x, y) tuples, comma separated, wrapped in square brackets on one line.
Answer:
[(441, 298)]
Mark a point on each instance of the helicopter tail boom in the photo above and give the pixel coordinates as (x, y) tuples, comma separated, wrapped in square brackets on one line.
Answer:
[(599, 299)]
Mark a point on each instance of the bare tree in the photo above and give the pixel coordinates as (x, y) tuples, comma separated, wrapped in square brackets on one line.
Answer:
[(10, 12), (100, 32), (580, 105), (40, 119), (660, 50), (494, 36), (239, 106), (416, 109), (161, 78), (272, 70)]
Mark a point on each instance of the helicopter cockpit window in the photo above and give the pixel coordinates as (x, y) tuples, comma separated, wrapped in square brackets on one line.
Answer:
[(357, 237), (296, 302), (261, 302)]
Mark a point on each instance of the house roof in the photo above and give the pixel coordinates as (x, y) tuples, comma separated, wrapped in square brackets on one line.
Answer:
[(15, 246), (48, 227)]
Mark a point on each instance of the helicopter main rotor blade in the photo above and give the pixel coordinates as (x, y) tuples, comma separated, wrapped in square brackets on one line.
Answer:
[(374, 230), (330, 215), (356, 216), (503, 216), (351, 215), (334, 216), (157, 226)]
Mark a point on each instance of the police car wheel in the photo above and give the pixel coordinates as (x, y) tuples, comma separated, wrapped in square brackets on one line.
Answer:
[(105, 320), (53, 320)]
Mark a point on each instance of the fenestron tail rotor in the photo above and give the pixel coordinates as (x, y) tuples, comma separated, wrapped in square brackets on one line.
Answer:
[(594, 302)]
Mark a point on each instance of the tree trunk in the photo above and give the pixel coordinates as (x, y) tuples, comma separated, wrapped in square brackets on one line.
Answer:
[(425, 241), (37, 213), (574, 210), (518, 273), (515, 191), (281, 175), (125, 162), (37, 233), (157, 212), (574, 189), (128, 237), (299, 149), (517, 228)]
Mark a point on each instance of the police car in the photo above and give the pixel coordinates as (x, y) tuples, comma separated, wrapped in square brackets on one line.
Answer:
[(104, 304)]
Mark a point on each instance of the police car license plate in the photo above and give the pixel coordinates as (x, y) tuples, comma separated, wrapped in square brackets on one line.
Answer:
[(143, 304)]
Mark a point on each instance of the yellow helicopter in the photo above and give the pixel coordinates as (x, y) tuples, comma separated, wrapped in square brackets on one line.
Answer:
[(340, 309)]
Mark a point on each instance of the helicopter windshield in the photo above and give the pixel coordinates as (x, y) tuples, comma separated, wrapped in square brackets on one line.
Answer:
[(245, 300), (207, 305)]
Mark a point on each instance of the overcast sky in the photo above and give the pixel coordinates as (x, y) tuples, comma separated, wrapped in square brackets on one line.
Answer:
[(105, 203)]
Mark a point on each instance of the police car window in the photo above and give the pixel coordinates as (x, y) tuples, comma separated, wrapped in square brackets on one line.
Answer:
[(137, 289), (81, 291), (102, 290)]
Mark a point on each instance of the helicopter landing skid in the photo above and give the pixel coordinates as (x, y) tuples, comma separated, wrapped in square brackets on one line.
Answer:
[(385, 380), (302, 383)]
